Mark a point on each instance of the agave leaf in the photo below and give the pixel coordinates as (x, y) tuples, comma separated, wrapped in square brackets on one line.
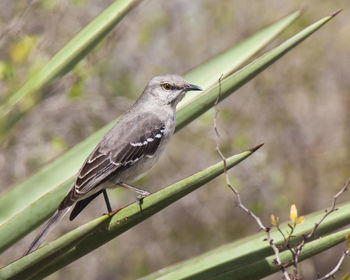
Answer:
[(209, 72), (266, 266), (67, 165), (82, 44), (186, 114), (250, 250), (206, 99), (94, 234)]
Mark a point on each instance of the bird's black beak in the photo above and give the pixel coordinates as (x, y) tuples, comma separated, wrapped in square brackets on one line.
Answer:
[(192, 87)]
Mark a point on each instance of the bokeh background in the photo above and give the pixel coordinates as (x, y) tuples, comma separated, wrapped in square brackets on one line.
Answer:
[(299, 107)]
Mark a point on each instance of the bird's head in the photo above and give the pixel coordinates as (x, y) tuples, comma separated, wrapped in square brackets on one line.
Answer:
[(168, 89)]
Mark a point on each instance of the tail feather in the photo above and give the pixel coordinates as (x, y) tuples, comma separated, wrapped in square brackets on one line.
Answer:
[(55, 218)]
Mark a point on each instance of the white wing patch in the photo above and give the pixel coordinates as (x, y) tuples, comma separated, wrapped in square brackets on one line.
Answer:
[(148, 140)]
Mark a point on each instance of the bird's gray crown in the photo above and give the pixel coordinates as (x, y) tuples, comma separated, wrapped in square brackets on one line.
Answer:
[(168, 89)]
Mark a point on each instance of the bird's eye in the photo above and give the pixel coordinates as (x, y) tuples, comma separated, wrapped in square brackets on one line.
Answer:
[(166, 86)]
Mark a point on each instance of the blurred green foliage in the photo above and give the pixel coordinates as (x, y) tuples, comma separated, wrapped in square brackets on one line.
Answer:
[(20, 50), (298, 108)]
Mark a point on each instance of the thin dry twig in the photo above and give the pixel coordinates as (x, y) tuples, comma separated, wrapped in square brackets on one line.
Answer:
[(336, 268), (297, 250), (238, 201), (332, 209)]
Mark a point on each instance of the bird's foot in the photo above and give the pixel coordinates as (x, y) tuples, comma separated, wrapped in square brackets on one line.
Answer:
[(111, 214)]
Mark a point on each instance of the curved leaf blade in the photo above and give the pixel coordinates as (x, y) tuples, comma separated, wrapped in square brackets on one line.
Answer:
[(202, 103), (266, 266), (206, 99), (75, 50), (12, 202), (94, 234), (209, 72), (250, 250), (66, 166)]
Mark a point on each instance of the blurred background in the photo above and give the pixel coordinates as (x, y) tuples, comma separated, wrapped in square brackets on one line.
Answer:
[(299, 107)]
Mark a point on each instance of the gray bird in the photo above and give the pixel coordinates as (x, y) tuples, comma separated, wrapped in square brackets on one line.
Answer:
[(130, 149)]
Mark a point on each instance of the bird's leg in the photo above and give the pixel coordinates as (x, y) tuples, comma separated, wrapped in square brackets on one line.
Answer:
[(108, 204), (109, 208), (142, 193)]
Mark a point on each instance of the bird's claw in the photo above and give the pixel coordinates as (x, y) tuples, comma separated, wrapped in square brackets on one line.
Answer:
[(140, 198), (113, 212)]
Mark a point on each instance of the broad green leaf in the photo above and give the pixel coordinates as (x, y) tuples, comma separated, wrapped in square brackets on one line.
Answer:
[(266, 266), (94, 234), (202, 103), (212, 70), (67, 57), (206, 99), (253, 251), (55, 173), (35, 214), (66, 166)]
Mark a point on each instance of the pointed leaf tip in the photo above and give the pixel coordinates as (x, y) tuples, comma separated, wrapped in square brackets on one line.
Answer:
[(256, 148), (336, 12)]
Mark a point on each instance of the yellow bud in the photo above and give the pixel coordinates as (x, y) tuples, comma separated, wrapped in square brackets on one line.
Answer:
[(274, 220), (300, 220), (346, 276), (347, 239), (293, 214)]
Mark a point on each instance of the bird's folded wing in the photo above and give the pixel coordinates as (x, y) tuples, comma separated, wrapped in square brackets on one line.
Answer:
[(123, 146)]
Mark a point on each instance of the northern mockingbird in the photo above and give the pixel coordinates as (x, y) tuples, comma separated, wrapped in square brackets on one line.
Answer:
[(132, 146)]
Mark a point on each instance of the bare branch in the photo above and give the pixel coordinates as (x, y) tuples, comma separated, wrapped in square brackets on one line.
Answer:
[(336, 268), (296, 250), (238, 201), (332, 209)]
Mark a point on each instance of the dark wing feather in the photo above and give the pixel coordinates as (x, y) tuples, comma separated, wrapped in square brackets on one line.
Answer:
[(81, 204), (114, 153)]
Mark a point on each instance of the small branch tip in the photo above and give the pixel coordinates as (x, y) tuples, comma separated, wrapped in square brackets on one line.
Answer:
[(336, 12), (256, 148)]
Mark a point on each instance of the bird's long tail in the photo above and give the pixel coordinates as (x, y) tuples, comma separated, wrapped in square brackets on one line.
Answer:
[(55, 218)]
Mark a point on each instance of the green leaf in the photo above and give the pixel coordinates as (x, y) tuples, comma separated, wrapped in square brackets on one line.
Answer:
[(82, 44), (35, 214), (206, 99), (94, 234), (55, 173), (245, 257), (266, 266), (225, 63), (60, 170), (186, 114)]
